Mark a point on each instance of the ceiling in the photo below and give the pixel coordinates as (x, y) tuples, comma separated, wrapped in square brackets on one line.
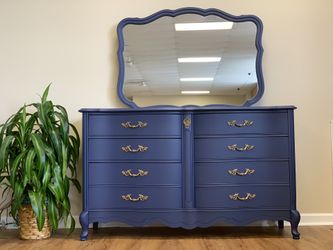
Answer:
[(151, 52)]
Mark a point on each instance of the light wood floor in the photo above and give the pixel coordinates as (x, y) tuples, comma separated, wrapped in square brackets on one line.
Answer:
[(314, 237)]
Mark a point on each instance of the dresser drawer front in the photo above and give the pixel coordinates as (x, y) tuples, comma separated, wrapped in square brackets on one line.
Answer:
[(241, 123), (107, 197), (251, 172), (134, 125), (235, 148), (135, 173), (152, 149), (277, 197)]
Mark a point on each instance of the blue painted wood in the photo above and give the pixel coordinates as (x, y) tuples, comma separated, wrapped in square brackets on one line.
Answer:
[(178, 110), (262, 123), (188, 186), (197, 11), (187, 157), (158, 125), (158, 174), (188, 219), (111, 149), (266, 172), (107, 197), (264, 147), (276, 197)]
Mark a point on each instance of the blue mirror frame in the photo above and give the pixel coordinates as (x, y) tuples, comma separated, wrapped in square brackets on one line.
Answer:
[(202, 12)]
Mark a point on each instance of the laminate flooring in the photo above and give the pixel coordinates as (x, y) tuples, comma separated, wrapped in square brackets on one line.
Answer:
[(160, 238)]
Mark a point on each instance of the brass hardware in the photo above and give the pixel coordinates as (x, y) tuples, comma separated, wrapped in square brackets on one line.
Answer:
[(140, 148), (246, 123), (141, 197), (236, 197), (247, 147), (187, 122), (140, 172), (237, 172), (140, 124)]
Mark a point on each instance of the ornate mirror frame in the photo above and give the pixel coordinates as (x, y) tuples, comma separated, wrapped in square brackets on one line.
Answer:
[(198, 11)]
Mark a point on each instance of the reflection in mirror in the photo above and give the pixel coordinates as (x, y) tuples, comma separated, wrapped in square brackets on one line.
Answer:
[(190, 60)]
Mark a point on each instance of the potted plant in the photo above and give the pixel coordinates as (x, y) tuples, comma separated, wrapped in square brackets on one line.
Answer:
[(38, 161)]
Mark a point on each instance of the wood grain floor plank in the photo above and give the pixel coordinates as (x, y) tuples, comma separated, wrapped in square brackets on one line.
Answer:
[(216, 238)]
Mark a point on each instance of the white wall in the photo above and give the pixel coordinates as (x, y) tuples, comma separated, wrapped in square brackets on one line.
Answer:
[(73, 45)]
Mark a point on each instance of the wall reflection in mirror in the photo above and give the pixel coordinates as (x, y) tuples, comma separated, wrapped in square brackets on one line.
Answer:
[(190, 60)]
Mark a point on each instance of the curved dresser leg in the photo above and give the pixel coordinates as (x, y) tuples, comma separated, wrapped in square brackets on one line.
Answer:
[(95, 225), (280, 224), (84, 224), (295, 219)]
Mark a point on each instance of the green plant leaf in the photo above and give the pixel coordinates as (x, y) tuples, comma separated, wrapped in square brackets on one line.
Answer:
[(64, 160), (17, 198), (46, 176), (14, 167), (4, 150), (56, 186), (39, 149), (53, 213), (29, 162), (46, 93), (37, 203)]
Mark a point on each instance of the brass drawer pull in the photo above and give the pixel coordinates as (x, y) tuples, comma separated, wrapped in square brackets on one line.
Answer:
[(141, 197), (140, 172), (246, 123), (140, 124), (236, 197), (234, 147), (237, 172), (140, 148)]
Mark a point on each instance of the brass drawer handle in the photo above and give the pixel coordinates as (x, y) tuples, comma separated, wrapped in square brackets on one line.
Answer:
[(246, 123), (237, 172), (140, 148), (141, 197), (234, 147), (236, 197), (140, 172), (139, 124)]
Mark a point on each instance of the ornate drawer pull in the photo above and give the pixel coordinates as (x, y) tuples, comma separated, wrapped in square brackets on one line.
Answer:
[(140, 124), (246, 123), (247, 147), (141, 197), (140, 148), (237, 172), (140, 172), (236, 197)]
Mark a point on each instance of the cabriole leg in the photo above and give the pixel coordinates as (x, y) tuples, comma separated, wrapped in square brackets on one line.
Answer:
[(84, 224), (295, 218), (280, 224), (95, 225)]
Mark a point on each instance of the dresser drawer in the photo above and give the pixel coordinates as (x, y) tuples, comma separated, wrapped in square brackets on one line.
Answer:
[(236, 148), (134, 149), (135, 173), (134, 125), (252, 172), (241, 123), (277, 197), (107, 197)]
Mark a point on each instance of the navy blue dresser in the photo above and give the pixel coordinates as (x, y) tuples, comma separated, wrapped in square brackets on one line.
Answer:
[(188, 167)]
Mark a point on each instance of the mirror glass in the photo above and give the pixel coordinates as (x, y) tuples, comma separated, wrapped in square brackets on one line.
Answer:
[(190, 59)]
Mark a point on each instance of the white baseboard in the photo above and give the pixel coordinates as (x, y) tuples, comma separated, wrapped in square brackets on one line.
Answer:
[(316, 219), (307, 219)]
